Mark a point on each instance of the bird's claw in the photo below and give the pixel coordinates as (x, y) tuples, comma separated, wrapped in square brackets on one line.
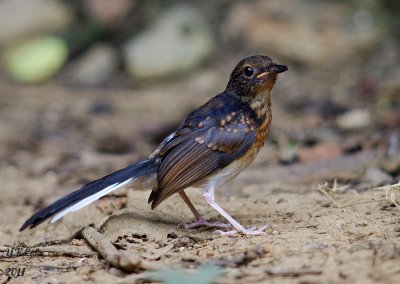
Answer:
[(203, 223), (251, 231)]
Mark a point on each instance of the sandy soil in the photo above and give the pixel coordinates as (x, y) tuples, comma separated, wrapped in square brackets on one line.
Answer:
[(54, 139)]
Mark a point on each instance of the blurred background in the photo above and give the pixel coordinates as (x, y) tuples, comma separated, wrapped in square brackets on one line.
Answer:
[(90, 86), (95, 84)]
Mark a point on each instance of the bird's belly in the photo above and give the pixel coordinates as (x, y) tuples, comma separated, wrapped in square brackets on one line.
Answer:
[(229, 172)]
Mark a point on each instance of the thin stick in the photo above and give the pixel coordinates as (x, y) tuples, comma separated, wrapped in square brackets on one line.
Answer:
[(322, 188), (363, 202), (295, 273), (58, 267), (391, 189), (123, 260)]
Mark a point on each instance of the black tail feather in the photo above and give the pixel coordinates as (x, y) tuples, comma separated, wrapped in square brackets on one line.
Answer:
[(133, 171)]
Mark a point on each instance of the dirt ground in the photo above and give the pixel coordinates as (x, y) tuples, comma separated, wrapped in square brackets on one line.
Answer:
[(54, 139)]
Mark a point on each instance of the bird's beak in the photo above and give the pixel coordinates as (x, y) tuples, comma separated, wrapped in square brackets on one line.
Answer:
[(274, 69), (279, 68)]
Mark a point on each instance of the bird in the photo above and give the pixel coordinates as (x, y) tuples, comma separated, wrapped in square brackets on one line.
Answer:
[(213, 144)]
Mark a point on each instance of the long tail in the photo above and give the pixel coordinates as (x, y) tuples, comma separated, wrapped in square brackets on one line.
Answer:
[(91, 192)]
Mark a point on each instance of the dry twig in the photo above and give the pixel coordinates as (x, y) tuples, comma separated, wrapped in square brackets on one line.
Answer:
[(324, 188), (122, 260), (294, 273), (391, 190)]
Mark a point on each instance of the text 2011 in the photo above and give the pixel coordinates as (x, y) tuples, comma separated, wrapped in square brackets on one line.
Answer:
[(13, 272)]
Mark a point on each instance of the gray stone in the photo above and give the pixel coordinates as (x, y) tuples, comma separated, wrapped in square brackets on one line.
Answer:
[(354, 119), (178, 41), (311, 32), (96, 65), (376, 177), (109, 12), (22, 18)]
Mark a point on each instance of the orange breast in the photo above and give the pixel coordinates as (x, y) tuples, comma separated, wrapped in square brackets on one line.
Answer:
[(263, 130)]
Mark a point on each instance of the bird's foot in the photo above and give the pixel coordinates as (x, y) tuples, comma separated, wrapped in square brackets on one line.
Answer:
[(203, 223), (251, 231)]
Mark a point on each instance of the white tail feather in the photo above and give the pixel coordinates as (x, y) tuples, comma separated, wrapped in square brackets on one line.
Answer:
[(89, 199)]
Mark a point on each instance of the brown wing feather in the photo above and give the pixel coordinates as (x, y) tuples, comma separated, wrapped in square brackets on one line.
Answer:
[(193, 155)]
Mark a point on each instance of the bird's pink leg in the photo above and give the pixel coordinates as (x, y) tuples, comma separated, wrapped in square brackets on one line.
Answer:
[(200, 221), (209, 195)]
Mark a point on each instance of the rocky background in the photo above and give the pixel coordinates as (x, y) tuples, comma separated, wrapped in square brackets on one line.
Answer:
[(87, 87)]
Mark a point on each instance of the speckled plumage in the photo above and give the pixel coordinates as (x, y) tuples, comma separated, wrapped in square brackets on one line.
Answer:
[(213, 144), (232, 125), (210, 139)]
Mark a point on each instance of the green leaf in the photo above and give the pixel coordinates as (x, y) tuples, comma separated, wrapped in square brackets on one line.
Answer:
[(204, 274)]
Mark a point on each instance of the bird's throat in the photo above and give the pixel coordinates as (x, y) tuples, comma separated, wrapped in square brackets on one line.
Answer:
[(260, 104)]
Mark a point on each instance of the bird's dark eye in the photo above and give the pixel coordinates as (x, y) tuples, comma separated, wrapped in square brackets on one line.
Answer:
[(248, 71)]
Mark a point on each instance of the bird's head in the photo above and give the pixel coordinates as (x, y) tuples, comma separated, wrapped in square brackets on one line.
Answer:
[(253, 75)]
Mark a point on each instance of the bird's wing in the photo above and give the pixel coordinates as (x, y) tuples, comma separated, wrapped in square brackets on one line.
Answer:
[(210, 139)]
